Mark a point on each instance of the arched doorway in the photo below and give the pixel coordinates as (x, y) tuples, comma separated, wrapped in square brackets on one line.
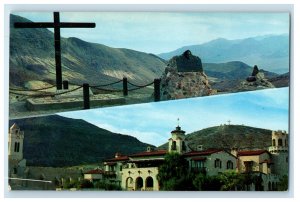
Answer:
[(149, 184), (129, 184), (139, 184)]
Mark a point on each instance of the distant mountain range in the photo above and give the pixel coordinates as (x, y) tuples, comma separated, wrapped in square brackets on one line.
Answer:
[(59, 141), (32, 58), (270, 53)]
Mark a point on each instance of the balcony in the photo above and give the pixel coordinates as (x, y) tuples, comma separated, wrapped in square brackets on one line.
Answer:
[(273, 149)]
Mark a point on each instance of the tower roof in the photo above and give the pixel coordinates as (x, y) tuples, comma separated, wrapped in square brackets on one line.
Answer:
[(14, 126), (178, 130)]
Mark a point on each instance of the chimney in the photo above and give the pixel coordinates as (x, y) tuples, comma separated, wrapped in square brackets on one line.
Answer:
[(200, 148)]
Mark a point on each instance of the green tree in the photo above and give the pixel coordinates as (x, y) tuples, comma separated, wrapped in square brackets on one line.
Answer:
[(199, 181), (86, 184), (173, 174), (283, 183), (231, 181)]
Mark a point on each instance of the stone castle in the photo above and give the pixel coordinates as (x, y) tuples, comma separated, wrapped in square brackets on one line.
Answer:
[(138, 171)]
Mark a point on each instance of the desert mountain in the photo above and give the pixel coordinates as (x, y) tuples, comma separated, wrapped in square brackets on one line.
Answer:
[(270, 53), (230, 136), (59, 141), (32, 58)]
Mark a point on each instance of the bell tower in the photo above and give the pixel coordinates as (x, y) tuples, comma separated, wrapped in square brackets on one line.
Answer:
[(177, 142), (15, 143)]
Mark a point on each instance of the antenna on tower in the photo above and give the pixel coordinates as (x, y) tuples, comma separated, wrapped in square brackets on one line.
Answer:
[(177, 121)]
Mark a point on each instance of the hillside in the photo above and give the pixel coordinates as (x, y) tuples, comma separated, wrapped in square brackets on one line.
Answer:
[(58, 141), (230, 136), (32, 58), (270, 52)]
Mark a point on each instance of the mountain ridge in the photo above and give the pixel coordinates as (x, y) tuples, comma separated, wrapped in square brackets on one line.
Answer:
[(32, 58), (269, 52), (58, 141)]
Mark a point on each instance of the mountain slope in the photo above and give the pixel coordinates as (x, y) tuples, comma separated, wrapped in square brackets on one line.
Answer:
[(32, 58), (59, 141), (270, 53), (230, 136)]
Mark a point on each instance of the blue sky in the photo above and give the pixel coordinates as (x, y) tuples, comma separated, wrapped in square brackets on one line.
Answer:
[(157, 32), (152, 122)]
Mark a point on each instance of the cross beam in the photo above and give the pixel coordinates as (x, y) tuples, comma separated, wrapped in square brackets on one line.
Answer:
[(56, 25)]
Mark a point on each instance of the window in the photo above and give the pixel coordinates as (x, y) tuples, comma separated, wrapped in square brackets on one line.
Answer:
[(173, 145), (120, 168), (248, 166), (279, 142), (15, 149), (218, 163), (229, 164), (285, 141), (273, 142), (183, 146), (17, 146)]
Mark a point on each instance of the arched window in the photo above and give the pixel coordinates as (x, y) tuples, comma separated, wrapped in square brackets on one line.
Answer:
[(279, 142), (173, 145), (129, 183), (17, 146), (273, 142), (139, 184), (229, 164), (149, 183), (218, 163), (183, 146)]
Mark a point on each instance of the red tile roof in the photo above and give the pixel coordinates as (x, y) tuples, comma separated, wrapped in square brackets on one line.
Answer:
[(110, 163), (202, 153), (199, 159), (252, 152), (150, 153), (120, 158), (96, 171), (268, 161)]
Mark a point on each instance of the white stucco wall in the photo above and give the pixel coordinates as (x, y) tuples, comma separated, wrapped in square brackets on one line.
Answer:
[(136, 173)]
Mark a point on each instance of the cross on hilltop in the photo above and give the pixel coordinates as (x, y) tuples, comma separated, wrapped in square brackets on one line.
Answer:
[(56, 25)]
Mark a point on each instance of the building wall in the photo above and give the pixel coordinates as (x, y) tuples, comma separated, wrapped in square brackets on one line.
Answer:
[(281, 163), (224, 157), (139, 173), (256, 163), (92, 176)]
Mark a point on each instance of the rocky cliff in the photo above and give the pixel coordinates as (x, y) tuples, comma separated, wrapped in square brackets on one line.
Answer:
[(184, 77), (256, 81)]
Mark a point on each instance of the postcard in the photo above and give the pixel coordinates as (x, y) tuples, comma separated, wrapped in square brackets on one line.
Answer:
[(149, 101)]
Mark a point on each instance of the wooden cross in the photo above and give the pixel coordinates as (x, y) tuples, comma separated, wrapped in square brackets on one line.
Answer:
[(229, 122), (56, 25)]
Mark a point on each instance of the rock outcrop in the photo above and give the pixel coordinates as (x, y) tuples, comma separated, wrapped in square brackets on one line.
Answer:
[(184, 77), (256, 81)]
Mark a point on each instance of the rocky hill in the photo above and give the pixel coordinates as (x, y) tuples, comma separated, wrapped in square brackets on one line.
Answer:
[(58, 141), (32, 58), (230, 136)]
